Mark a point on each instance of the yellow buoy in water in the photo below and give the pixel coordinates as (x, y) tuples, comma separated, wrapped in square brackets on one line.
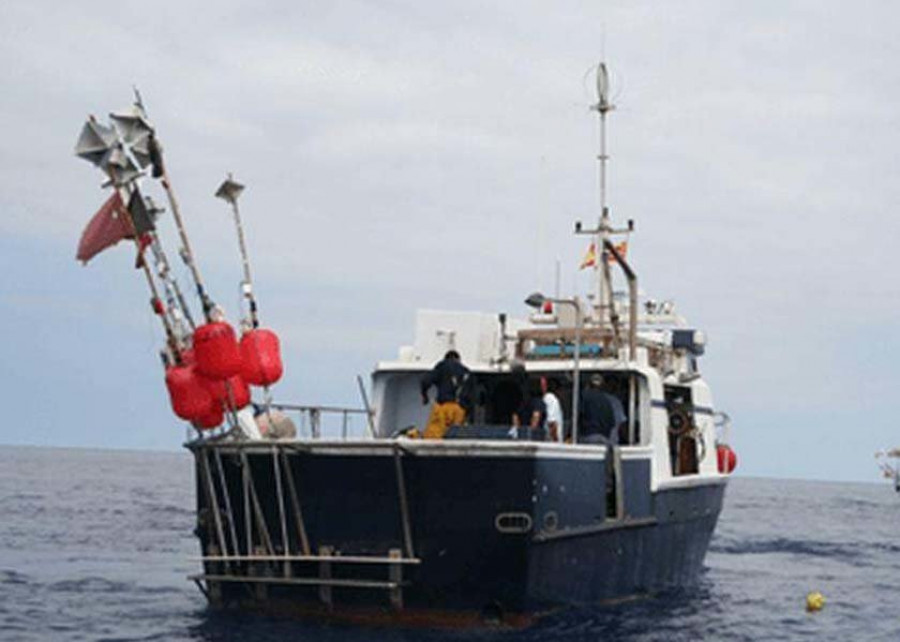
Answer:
[(814, 601)]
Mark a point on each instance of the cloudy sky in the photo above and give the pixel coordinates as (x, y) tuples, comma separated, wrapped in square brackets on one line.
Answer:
[(403, 155)]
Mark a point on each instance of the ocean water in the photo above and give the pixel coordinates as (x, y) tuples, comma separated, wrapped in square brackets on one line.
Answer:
[(96, 545)]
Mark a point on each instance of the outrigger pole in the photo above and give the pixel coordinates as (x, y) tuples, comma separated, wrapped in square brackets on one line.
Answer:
[(142, 137), (101, 146), (229, 191), (176, 306)]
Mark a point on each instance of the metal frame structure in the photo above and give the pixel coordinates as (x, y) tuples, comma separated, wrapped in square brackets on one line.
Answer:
[(273, 562)]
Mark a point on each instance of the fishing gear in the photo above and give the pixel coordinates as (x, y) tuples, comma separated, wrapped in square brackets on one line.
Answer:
[(140, 136), (260, 348)]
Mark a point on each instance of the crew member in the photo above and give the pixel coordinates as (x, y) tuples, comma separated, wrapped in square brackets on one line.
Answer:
[(532, 413), (554, 423), (451, 379), (601, 414)]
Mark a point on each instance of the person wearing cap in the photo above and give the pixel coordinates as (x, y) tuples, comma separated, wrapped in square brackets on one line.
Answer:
[(600, 414), (451, 379)]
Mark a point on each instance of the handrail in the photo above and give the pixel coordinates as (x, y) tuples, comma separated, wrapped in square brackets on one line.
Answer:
[(305, 408), (314, 413)]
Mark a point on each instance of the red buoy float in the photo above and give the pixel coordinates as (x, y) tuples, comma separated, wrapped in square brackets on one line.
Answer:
[(211, 419), (261, 357), (215, 388), (187, 392), (240, 393), (232, 393), (216, 350), (727, 459)]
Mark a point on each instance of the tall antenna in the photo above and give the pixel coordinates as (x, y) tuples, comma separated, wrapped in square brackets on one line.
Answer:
[(603, 107), (601, 234)]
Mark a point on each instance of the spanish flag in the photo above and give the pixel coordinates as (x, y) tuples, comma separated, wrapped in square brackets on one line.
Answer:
[(590, 257)]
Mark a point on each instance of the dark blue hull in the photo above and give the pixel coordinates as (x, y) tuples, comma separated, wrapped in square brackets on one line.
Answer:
[(472, 529)]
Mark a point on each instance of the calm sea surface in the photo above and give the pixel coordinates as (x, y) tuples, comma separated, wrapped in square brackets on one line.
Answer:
[(95, 545)]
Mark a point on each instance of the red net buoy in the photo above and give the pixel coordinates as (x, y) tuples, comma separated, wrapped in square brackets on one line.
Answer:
[(261, 357), (216, 350), (240, 392), (211, 419), (232, 393), (190, 398), (727, 459), (215, 388)]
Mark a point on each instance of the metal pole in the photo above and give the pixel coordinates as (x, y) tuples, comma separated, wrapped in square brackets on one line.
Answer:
[(576, 377), (123, 190), (281, 511), (173, 290), (632, 407), (228, 512), (186, 246), (365, 399), (576, 393), (264, 535), (601, 235), (214, 503), (404, 507), (248, 517), (295, 502), (254, 319), (603, 106)]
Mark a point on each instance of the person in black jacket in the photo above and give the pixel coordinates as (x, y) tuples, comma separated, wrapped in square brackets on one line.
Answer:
[(601, 414), (451, 378)]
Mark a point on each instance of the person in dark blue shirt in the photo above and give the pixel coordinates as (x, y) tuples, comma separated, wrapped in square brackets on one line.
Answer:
[(532, 412), (452, 380), (600, 414)]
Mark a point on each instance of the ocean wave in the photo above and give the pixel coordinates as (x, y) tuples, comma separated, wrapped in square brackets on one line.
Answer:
[(92, 585), (792, 546), (11, 576)]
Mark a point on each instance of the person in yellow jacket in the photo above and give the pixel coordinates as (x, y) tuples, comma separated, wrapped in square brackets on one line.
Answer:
[(451, 379)]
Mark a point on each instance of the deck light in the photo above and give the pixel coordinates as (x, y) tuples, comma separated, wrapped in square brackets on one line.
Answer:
[(535, 300)]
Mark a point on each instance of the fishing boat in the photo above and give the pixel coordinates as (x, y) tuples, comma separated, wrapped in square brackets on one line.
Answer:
[(887, 463), (366, 520)]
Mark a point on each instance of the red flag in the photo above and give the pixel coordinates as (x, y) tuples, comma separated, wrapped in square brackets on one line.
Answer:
[(107, 227)]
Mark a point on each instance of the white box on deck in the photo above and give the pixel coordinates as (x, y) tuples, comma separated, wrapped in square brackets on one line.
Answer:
[(475, 335)]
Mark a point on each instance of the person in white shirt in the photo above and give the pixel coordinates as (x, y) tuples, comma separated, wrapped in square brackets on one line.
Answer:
[(554, 421)]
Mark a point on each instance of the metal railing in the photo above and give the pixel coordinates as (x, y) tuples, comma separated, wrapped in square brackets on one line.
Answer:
[(330, 421), (258, 536)]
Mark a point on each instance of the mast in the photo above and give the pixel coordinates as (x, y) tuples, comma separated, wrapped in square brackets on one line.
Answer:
[(601, 273), (602, 234)]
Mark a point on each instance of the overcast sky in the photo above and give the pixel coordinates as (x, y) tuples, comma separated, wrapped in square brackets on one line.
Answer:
[(404, 155)]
